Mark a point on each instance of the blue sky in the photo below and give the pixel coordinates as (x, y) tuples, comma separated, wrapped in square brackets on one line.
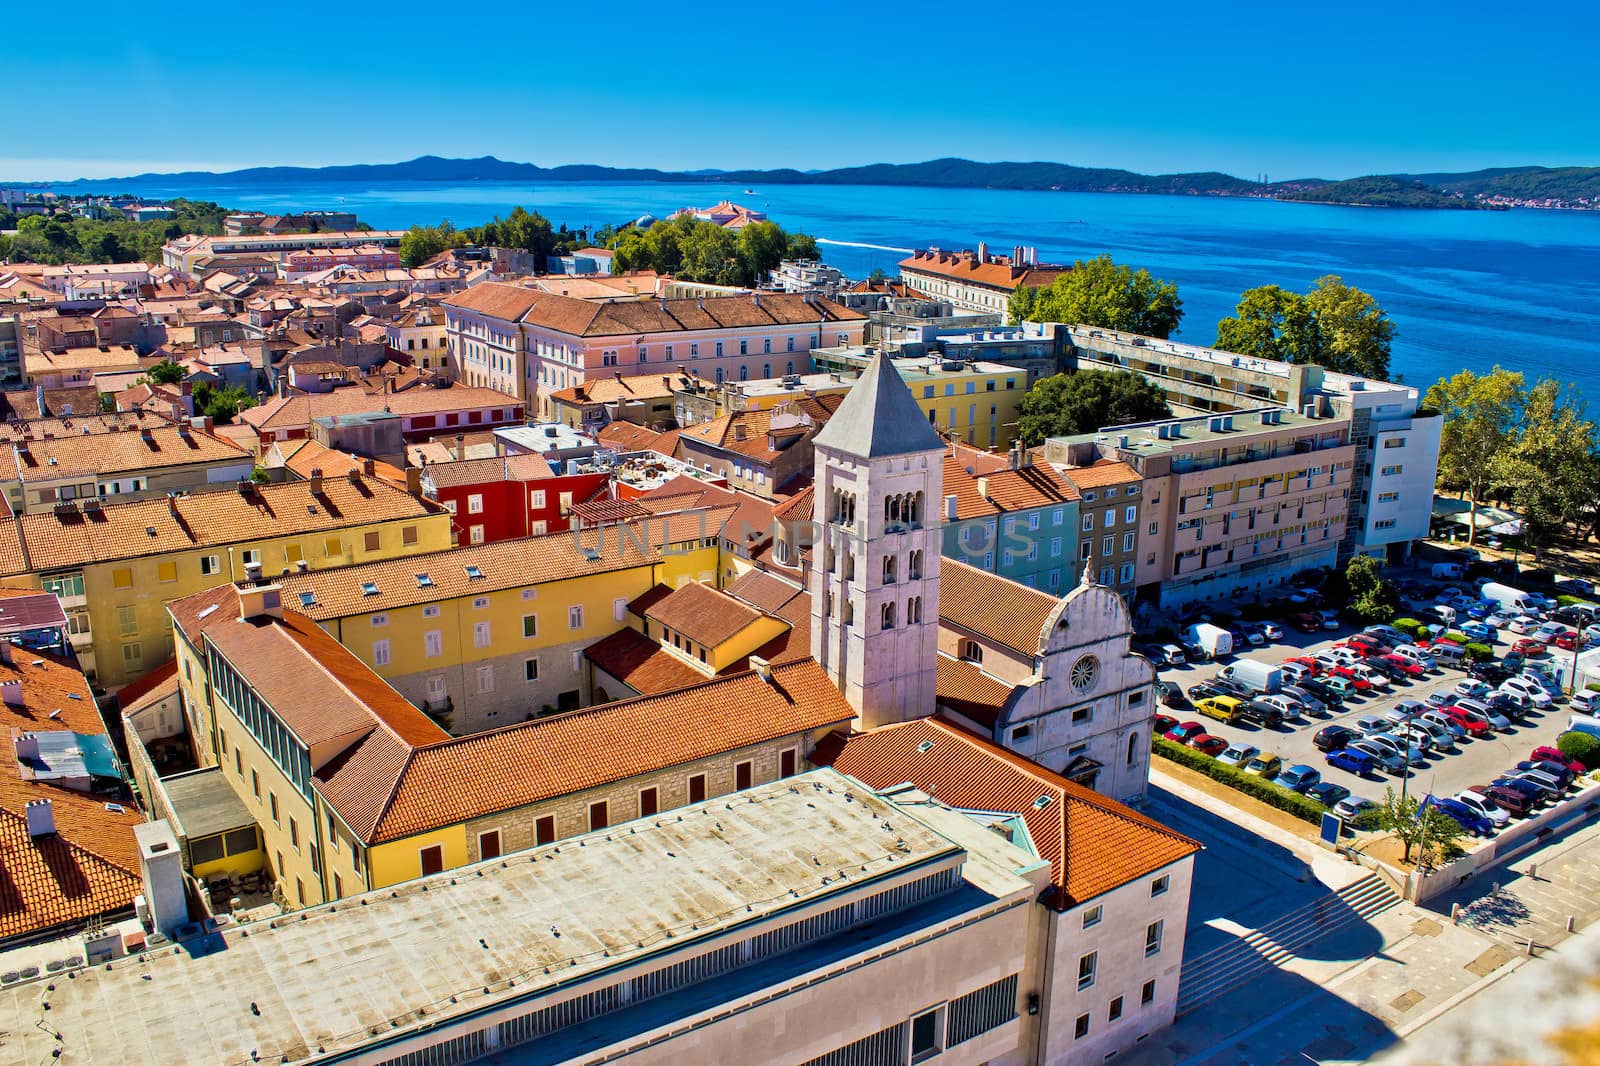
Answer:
[(1330, 90)]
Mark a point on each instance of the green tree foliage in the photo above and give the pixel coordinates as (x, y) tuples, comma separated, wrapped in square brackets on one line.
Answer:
[(1373, 599), (223, 405), (697, 250), (1580, 746), (1432, 832), (1334, 325), (1482, 414), (422, 243), (1105, 294), (61, 238), (1088, 400), (1551, 473), (166, 372)]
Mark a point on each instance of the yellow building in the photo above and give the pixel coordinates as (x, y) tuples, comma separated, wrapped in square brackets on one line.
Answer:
[(115, 566), (420, 333), (489, 634), (354, 788)]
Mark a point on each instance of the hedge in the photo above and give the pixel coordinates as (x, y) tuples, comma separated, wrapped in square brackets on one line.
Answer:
[(1481, 653), (1260, 788), (1574, 601), (1580, 746), (1455, 636), (1408, 626)]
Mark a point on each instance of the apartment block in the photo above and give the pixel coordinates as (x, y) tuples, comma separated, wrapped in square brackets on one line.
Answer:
[(1227, 503), (975, 402), (1011, 517)]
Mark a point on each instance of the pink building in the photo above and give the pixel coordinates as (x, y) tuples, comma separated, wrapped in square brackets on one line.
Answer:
[(303, 261)]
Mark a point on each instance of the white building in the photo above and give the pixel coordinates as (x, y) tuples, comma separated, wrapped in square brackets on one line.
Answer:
[(1396, 464)]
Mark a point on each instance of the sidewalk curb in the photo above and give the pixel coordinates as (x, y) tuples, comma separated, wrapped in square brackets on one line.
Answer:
[(1481, 985)]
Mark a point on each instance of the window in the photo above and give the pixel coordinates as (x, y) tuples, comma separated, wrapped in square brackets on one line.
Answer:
[(743, 775), (380, 619), (888, 616), (332, 546), (1110, 517), (786, 762), (1092, 916), (575, 616), (530, 625), (1390, 471), (489, 845), (122, 577), (255, 783), (294, 834), (127, 620), (1127, 542), (272, 802), (697, 788), (544, 829), (598, 818), (1086, 549), (1388, 497), (1108, 544), (431, 860), (1131, 514), (1152, 938), (1088, 523), (1082, 715), (926, 1034), (530, 669), (433, 643), (380, 653), (1086, 969), (1081, 1028), (1147, 994), (209, 564), (486, 677), (238, 764), (481, 634), (1159, 886), (475, 503), (167, 571), (1114, 1011)]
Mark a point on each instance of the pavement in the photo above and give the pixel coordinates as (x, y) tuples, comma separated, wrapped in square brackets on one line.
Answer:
[(1475, 762), (1360, 991)]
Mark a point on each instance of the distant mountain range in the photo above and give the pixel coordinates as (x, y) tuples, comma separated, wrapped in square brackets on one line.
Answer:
[(1500, 187)]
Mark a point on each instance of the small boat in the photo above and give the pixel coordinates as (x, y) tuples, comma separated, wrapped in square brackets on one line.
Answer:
[(749, 192)]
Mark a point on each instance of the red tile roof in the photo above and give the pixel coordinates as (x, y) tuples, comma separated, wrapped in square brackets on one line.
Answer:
[(964, 688), (1093, 844), (993, 608), (996, 273)]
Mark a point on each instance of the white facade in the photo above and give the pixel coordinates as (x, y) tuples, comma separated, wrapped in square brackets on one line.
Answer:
[(1397, 463)]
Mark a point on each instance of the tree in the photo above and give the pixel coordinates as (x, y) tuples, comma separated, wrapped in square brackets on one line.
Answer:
[(1481, 415), (1086, 401), (1552, 471), (1373, 599), (1430, 830), (166, 372), (1102, 293), (422, 243), (1581, 747), (696, 250), (1356, 333), (1272, 323), (222, 406)]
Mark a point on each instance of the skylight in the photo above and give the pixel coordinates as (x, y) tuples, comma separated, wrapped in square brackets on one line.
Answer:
[(369, 588), (474, 573), (424, 581), (307, 599)]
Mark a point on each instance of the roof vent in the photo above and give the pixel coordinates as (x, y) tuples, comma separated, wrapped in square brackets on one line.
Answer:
[(41, 817), (1041, 803), (11, 692), (925, 747)]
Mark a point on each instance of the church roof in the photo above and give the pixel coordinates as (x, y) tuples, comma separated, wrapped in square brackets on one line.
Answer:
[(879, 417)]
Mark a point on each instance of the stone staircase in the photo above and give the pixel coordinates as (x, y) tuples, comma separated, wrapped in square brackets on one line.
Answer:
[(1213, 974)]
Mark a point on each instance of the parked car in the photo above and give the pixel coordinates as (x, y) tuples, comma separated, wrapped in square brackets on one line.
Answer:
[(1170, 695), (1470, 820), (1265, 764), (1517, 802), (1327, 793), (1238, 754), (1388, 634), (1360, 763), (1444, 739), (1184, 733), (1299, 777), (1334, 737), (1412, 754), (1206, 744), (1400, 665), (1252, 635), (1369, 724), (1546, 784), (1309, 704), (1529, 646), (1442, 698), (1306, 622), (1528, 689), (1324, 692), (1383, 757), (1489, 672), (1293, 672), (1352, 807), (1481, 708), (1271, 630), (1475, 725), (1566, 641), (1172, 655), (1478, 631), (1546, 753), (1534, 795), (1522, 624), (1342, 687), (1557, 770), (1437, 717), (1484, 807), (1471, 688), (1513, 707)]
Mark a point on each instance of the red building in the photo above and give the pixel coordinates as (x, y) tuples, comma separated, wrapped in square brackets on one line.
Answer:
[(506, 496)]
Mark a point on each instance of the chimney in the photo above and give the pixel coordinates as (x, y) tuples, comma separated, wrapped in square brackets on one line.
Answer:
[(368, 467), (38, 398), (11, 691), (257, 600), (41, 815), (161, 864), (172, 504), (316, 481), (762, 668), (983, 251), (414, 481), (5, 651), (1016, 455), (949, 508)]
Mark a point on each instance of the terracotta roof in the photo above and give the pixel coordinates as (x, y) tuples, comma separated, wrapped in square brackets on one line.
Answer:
[(766, 592), (305, 455), (702, 614), (151, 688), (197, 612), (627, 437), (797, 508), (964, 487), (1102, 473), (583, 318), (289, 412), (1029, 487), (154, 527), (964, 688), (993, 607), (462, 472), (90, 865), (469, 777), (1093, 844), (752, 515), (623, 387), (152, 447), (596, 511), (507, 564), (964, 266), (642, 664)]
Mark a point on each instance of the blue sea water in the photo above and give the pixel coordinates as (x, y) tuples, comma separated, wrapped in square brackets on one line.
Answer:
[(1465, 288)]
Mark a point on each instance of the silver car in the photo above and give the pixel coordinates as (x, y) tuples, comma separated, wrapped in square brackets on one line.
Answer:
[(1391, 763), (1397, 745)]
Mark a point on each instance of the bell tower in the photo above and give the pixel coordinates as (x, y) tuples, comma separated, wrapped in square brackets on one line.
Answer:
[(874, 570)]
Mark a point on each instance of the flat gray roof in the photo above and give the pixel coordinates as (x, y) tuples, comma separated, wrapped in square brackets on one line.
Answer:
[(421, 953), (205, 804)]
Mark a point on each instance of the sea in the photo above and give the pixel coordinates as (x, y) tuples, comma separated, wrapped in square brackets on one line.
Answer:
[(1465, 289)]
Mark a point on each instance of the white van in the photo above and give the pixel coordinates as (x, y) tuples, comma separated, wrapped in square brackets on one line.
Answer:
[(1447, 654), (1412, 653), (1448, 571), (1584, 701), (1443, 612)]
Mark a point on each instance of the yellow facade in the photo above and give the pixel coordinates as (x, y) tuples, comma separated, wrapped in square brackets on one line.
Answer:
[(977, 404), (401, 860)]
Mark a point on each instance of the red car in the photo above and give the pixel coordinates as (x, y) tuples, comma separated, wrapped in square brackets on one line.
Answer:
[(1207, 744), (1372, 644), (1404, 665), (1475, 727), (1186, 732), (1307, 622), (1308, 662), (1529, 646), (1545, 753), (1164, 722), (1565, 641), (1360, 684)]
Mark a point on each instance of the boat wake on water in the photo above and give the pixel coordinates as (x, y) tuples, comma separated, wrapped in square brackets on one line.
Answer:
[(858, 244)]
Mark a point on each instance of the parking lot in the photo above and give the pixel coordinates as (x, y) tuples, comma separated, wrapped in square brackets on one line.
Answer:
[(1474, 762)]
